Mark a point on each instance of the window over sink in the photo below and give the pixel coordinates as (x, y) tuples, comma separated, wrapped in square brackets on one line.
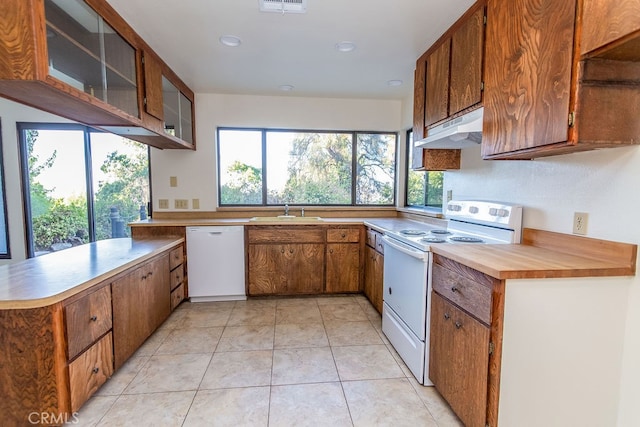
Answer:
[(265, 167)]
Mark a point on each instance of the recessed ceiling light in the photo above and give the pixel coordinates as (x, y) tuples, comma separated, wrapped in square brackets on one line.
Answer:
[(231, 41), (286, 88), (345, 46), (394, 82)]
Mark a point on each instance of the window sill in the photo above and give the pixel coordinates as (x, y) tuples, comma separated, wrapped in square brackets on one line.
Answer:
[(428, 212)]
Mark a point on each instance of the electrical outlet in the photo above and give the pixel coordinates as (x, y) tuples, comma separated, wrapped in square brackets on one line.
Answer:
[(181, 204), (580, 221), (195, 203), (173, 181), (163, 203)]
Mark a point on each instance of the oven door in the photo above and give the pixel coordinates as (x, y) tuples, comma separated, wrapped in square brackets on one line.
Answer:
[(405, 281)]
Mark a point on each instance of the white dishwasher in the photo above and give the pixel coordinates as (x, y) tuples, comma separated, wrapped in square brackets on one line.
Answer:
[(215, 263)]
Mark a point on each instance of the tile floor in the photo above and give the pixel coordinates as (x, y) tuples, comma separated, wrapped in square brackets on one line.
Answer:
[(268, 362)]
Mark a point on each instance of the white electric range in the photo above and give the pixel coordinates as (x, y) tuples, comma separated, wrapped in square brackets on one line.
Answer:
[(407, 270)]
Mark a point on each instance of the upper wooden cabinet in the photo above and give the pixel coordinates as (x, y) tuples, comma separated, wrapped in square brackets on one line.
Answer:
[(540, 98), (618, 35), (449, 74), (81, 60), (447, 83)]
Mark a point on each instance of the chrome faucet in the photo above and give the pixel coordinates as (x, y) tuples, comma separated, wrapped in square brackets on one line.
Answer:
[(286, 209)]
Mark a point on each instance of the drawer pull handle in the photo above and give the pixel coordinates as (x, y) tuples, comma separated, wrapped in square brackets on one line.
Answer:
[(330, 251), (290, 251), (95, 370), (149, 274), (447, 316), (144, 277), (343, 235), (94, 318), (458, 325), (282, 250), (390, 291), (454, 289)]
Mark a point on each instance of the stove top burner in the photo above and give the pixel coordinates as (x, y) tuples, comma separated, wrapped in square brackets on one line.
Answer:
[(466, 239), (440, 231), (433, 240), (413, 232)]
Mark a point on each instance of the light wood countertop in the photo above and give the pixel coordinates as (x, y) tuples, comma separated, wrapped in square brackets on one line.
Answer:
[(545, 254), (51, 278)]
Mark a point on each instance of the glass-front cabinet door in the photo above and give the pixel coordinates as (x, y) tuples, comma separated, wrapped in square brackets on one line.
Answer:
[(87, 53), (177, 112)]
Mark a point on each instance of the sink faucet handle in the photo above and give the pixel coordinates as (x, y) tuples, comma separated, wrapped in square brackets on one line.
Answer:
[(286, 209), (302, 214)]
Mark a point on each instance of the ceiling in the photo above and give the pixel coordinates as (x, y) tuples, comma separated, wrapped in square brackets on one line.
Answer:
[(293, 49)]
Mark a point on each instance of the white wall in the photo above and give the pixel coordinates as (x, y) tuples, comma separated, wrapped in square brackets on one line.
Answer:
[(196, 170), (10, 114), (602, 183)]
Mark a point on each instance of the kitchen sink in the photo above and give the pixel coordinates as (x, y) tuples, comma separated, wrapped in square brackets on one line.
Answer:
[(286, 218)]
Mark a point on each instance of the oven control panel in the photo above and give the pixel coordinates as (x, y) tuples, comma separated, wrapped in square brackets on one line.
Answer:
[(496, 214)]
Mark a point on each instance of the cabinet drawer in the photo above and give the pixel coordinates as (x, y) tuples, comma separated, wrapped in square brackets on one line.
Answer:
[(87, 319), (177, 295), (277, 234), (177, 276), (468, 294), (371, 238), (176, 257), (343, 235), (90, 370)]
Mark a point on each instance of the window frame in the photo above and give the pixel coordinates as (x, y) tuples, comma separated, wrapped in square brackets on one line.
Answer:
[(408, 163), (7, 254), (354, 160), (88, 170)]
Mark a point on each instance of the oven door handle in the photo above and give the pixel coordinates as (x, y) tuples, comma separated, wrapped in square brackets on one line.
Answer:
[(405, 249)]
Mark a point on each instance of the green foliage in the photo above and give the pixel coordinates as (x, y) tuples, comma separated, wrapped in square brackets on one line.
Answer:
[(62, 221), (126, 189), (40, 198), (244, 185)]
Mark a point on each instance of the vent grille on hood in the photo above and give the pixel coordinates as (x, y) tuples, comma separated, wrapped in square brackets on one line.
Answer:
[(283, 6)]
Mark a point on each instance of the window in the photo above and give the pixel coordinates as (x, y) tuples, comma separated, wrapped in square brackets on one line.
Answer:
[(4, 226), (424, 188), (276, 167), (80, 185)]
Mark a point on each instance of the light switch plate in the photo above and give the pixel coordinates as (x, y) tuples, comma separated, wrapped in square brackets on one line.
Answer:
[(195, 203), (173, 181), (181, 204), (163, 203)]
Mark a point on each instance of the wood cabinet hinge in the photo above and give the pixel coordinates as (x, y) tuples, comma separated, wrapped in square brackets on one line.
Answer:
[(144, 101), (481, 86), (484, 19), (142, 59), (492, 348), (572, 118)]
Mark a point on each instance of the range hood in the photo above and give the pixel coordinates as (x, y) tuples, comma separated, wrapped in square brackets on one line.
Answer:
[(461, 132)]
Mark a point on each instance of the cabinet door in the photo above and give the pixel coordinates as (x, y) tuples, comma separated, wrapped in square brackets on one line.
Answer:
[(153, 87), (373, 273), (263, 268), (467, 47), (437, 84), (419, 90), (343, 267), (141, 302), (302, 269), (528, 74), (459, 360)]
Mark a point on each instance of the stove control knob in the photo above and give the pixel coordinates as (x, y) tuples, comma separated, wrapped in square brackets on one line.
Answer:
[(455, 208), (493, 211), (503, 212), (473, 210)]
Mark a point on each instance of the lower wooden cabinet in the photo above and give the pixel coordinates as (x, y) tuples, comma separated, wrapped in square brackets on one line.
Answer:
[(465, 340), (303, 259), (459, 360), (374, 268), (141, 302)]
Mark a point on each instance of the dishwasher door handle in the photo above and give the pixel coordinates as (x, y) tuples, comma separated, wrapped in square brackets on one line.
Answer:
[(214, 233), (405, 249)]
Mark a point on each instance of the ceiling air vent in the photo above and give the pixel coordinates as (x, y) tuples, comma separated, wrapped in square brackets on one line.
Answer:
[(283, 6)]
